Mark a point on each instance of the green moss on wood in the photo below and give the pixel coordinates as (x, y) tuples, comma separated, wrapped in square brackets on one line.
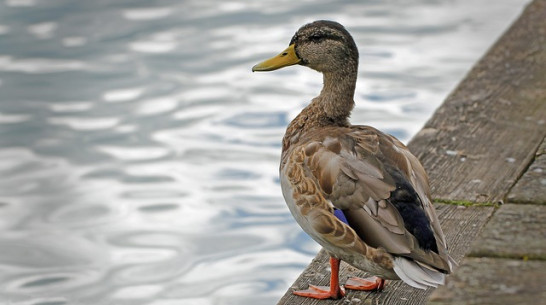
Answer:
[(500, 254), (465, 203)]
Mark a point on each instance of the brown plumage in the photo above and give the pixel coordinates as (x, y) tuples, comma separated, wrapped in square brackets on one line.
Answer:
[(390, 227)]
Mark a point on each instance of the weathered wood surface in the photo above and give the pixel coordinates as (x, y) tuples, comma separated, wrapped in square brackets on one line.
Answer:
[(531, 188), (493, 274), (516, 231), (486, 133), (507, 262), (459, 222), (493, 281)]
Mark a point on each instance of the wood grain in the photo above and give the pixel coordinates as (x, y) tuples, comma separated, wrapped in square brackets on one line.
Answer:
[(516, 231), (531, 188), (487, 131), (494, 281)]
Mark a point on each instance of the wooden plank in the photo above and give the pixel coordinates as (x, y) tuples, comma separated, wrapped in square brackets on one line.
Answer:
[(461, 225), (486, 133), (494, 281), (516, 231), (531, 188)]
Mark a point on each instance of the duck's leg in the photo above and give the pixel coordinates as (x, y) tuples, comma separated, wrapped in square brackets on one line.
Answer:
[(368, 284), (325, 292)]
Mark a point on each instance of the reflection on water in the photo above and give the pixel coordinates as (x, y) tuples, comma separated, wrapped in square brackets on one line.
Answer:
[(139, 154)]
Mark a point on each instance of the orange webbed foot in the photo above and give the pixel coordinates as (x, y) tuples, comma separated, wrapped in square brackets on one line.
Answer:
[(367, 284), (325, 292), (321, 292)]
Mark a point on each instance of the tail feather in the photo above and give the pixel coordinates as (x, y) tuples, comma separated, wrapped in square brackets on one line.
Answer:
[(416, 275), (452, 262)]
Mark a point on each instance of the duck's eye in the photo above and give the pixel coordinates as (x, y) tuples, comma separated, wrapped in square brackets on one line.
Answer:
[(316, 37)]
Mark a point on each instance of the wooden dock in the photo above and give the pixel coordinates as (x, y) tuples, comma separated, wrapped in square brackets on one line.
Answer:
[(485, 152)]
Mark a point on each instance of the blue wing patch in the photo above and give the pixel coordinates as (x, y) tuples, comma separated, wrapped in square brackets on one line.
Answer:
[(339, 214)]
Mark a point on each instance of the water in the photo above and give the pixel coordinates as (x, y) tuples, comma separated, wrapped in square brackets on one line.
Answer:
[(139, 154)]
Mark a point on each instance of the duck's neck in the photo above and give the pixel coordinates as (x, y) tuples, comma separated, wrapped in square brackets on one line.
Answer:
[(331, 108), (335, 101)]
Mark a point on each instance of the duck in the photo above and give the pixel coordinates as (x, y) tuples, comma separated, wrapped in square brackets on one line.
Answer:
[(358, 192)]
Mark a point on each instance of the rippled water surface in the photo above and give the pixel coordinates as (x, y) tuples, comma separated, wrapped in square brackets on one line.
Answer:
[(139, 154)]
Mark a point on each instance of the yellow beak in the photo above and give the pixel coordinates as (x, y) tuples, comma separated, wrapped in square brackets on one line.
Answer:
[(287, 58)]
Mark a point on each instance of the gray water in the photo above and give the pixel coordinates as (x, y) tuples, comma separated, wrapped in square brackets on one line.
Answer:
[(139, 154)]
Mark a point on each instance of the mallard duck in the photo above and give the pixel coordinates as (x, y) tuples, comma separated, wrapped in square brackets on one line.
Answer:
[(355, 190)]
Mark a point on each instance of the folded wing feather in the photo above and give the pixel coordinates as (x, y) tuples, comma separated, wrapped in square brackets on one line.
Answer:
[(351, 168)]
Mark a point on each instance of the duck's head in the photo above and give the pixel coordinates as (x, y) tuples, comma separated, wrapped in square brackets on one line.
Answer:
[(325, 46)]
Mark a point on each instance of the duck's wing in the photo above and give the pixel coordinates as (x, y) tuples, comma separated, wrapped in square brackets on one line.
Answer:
[(383, 192)]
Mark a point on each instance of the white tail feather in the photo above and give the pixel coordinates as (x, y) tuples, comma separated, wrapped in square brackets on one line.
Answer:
[(417, 276)]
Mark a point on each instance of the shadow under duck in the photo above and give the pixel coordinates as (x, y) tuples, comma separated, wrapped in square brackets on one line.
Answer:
[(357, 191)]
